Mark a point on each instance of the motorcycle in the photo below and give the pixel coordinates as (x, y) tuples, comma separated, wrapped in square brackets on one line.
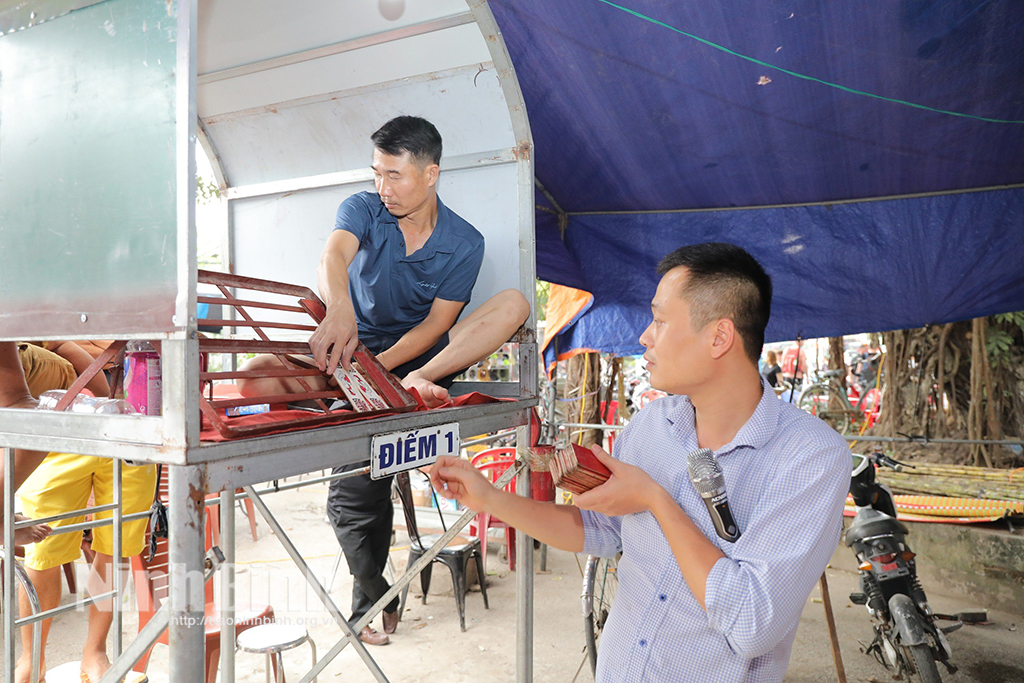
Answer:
[(907, 638)]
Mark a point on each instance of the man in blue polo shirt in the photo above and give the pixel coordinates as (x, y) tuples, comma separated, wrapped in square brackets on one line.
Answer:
[(395, 274)]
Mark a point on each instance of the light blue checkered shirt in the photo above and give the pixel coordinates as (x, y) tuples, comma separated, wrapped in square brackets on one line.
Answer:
[(787, 474)]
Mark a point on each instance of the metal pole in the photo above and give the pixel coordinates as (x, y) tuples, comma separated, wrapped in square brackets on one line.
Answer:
[(186, 635), (115, 564), (155, 628), (10, 591), (227, 586), (552, 426), (487, 439), (300, 484), (524, 580), (583, 425), (63, 609), (33, 600), (924, 441)]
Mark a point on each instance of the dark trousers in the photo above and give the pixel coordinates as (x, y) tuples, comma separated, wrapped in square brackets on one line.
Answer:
[(361, 513)]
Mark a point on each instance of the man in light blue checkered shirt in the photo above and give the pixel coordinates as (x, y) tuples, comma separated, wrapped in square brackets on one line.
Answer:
[(690, 605)]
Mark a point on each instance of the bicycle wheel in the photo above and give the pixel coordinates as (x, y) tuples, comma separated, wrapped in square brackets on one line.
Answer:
[(823, 401), (600, 581)]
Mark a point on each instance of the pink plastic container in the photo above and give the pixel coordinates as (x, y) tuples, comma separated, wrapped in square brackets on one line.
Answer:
[(142, 386)]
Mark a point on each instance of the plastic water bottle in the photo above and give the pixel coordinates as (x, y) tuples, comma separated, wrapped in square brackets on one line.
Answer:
[(48, 400), (142, 386), (101, 406), (85, 404)]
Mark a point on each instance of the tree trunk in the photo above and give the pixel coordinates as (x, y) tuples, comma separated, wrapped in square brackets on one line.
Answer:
[(836, 359), (582, 393)]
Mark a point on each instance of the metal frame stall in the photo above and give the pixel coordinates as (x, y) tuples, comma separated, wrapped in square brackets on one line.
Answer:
[(101, 107)]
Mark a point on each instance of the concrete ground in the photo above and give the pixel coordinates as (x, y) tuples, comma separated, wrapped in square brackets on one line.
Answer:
[(429, 646)]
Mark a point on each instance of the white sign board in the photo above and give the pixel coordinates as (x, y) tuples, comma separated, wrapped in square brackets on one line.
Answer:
[(400, 451)]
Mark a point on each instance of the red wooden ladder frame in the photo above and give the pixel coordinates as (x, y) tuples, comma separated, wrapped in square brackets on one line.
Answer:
[(298, 300)]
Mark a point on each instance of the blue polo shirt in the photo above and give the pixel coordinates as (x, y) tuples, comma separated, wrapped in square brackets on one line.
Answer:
[(392, 292)]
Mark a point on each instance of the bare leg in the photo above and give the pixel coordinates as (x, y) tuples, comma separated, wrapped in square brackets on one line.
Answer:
[(47, 585), (273, 386), (471, 340), (80, 360), (94, 654)]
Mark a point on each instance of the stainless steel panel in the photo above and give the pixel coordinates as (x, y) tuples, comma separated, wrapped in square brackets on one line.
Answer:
[(87, 161), (16, 15), (252, 461)]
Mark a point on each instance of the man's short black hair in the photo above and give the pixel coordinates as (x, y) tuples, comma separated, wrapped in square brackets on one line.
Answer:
[(725, 282), (411, 134)]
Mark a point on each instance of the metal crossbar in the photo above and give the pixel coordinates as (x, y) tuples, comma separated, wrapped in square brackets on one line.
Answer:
[(317, 587), (410, 573)]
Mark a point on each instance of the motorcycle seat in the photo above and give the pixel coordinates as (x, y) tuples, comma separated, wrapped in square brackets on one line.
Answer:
[(870, 523)]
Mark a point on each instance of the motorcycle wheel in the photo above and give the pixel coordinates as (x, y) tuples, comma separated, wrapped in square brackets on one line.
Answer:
[(924, 662)]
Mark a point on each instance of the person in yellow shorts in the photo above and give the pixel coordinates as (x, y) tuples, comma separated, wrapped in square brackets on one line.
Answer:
[(64, 482)]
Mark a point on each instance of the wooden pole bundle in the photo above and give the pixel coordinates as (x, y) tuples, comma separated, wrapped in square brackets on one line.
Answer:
[(957, 482)]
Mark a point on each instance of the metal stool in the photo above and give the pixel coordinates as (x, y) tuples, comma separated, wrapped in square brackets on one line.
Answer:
[(272, 640), (69, 672)]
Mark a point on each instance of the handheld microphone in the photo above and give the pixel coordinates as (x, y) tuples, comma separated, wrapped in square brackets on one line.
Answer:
[(707, 477)]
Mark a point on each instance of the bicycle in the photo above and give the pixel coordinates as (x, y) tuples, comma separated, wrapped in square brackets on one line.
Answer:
[(600, 582), (825, 399)]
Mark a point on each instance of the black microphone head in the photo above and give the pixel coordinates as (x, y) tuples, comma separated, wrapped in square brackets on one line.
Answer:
[(705, 473)]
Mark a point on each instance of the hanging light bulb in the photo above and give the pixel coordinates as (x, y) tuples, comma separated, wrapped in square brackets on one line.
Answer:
[(391, 10)]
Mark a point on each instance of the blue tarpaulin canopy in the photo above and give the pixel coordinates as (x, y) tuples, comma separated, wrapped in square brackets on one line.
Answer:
[(870, 155)]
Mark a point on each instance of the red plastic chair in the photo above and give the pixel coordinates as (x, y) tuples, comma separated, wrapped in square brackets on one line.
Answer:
[(493, 463), (610, 416)]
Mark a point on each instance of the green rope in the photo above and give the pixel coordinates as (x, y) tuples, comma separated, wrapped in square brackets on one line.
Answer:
[(799, 75)]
